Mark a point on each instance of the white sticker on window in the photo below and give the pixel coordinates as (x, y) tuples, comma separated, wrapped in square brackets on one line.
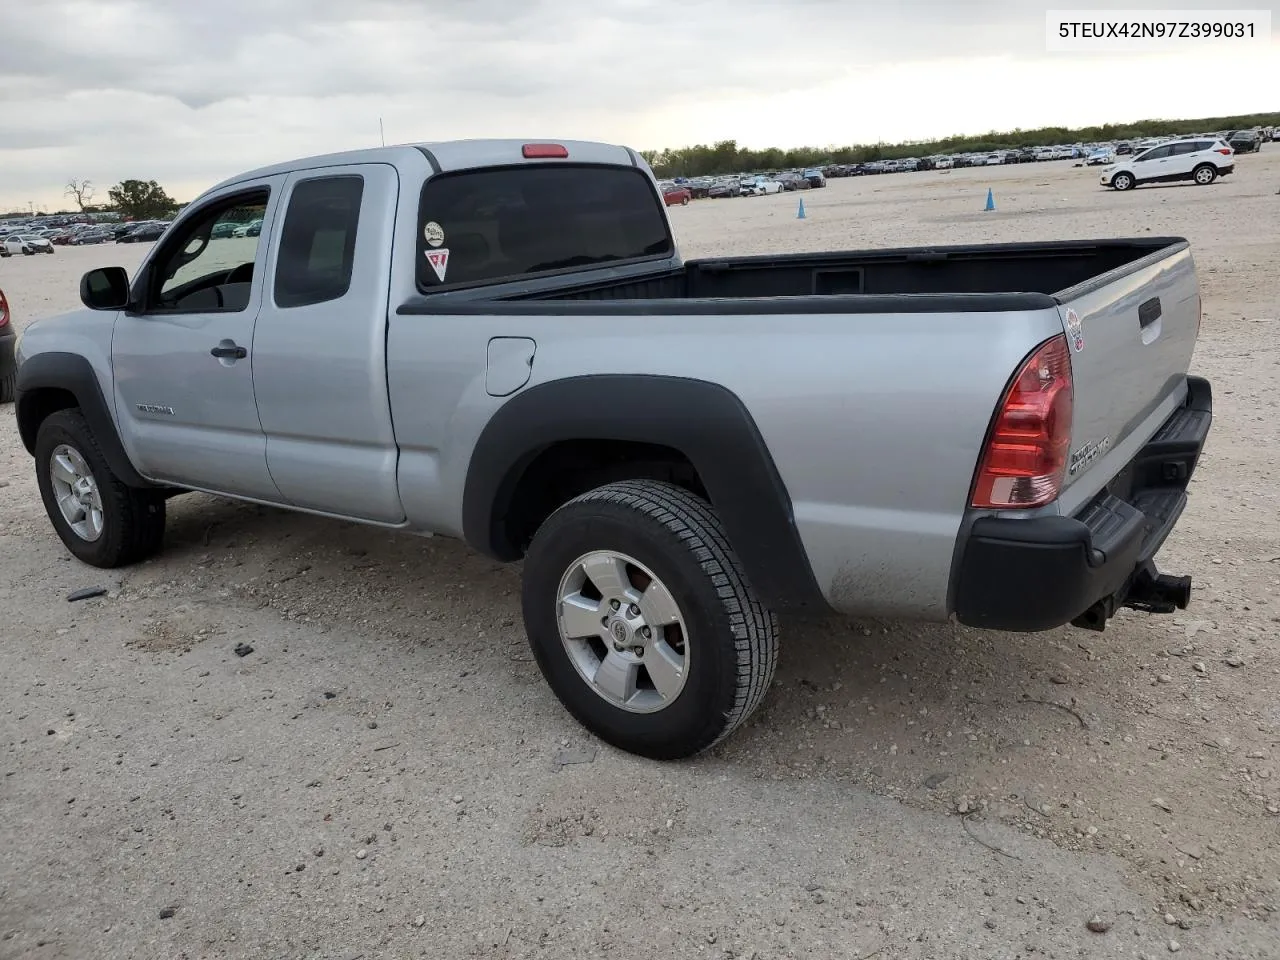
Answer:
[(439, 260), (434, 234)]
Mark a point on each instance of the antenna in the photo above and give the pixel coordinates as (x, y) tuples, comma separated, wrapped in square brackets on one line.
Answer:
[(381, 132)]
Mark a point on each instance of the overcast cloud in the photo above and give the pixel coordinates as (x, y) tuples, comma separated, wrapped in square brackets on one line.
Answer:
[(190, 91)]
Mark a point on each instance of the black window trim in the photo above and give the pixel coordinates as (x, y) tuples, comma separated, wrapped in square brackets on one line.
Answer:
[(284, 226), (658, 198), (145, 292)]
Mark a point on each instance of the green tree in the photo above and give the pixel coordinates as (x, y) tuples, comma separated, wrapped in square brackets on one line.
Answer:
[(141, 199)]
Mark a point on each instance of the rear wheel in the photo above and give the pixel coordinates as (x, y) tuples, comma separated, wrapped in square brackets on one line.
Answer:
[(101, 520), (1205, 174), (1123, 181), (8, 385), (642, 621)]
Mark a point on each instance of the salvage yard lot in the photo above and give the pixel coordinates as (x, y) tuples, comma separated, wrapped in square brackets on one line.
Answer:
[(386, 774)]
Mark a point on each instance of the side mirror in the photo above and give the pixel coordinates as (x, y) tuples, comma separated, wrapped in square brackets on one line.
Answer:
[(106, 288)]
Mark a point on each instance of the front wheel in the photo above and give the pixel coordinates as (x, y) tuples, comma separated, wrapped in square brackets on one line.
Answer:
[(1122, 181), (101, 520), (1205, 174), (642, 622), (684, 201)]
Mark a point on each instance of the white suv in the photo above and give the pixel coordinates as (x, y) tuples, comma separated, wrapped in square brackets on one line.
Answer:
[(1200, 159)]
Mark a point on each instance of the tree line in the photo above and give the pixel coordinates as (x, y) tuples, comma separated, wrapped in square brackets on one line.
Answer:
[(132, 199), (725, 156)]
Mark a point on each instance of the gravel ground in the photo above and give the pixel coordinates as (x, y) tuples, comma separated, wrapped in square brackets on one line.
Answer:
[(386, 775)]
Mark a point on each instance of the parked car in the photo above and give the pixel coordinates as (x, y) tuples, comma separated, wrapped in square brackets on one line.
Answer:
[(1243, 141), (90, 237), (674, 193), (1099, 157), (1201, 161), (815, 178), (8, 364), (26, 243), (759, 186), (144, 233), (724, 187), (666, 500)]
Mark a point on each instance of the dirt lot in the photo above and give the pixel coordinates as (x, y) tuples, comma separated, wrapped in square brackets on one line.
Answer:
[(386, 775)]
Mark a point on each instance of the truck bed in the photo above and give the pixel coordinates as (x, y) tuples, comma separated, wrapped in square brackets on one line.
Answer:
[(1018, 268)]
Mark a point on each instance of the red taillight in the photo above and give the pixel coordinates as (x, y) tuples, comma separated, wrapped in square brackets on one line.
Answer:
[(1025, 458), (1225, 151), (542, 151), (4, 310)]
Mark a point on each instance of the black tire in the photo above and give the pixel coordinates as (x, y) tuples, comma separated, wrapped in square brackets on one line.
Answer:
[(28, 252), (1204, 174), (732, 638), (1123, 181), (133, 520), (8, 386)]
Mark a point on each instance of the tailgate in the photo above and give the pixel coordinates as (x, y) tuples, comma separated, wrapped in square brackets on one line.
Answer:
[(1131, 333)]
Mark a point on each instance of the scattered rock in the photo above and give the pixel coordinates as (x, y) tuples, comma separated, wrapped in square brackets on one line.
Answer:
[(361, 853), (1097, 924), (1184, 924), (420, 920), (318, 852), (962, 805), (243, 650), (167, 913), (1200, 667), (88, 593), (1059, 679), (990, 924), (567, 756), (1170, 919), (1164, 678), (457, 798), (935, 780), (1174, 946), (1162, 804), (1191, 850), (1234, 662)]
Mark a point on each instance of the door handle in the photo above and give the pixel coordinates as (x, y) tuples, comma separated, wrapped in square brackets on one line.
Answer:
[(231, 352)]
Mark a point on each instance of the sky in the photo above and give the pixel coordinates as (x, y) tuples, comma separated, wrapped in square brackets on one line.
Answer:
[(188, 92)]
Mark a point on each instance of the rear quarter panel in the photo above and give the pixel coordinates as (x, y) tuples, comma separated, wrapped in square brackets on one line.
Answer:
[(874, 421)]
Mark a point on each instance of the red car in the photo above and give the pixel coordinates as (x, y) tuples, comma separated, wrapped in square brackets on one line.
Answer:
[(8, 368), (674, 193)]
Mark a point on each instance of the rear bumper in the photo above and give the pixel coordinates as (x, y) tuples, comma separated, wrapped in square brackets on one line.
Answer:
[(1036, 574)]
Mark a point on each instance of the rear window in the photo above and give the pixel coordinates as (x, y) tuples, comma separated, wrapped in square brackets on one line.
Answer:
[(509, 222)]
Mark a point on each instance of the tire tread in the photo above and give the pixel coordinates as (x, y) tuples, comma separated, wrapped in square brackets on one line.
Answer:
[(754, 627), (140, 513)]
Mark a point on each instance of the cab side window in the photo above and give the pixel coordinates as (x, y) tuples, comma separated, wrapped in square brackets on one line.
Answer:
[(318, 243), (207, 266)]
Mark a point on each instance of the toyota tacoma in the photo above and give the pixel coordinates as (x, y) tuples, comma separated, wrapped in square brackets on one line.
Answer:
[(428, 338)]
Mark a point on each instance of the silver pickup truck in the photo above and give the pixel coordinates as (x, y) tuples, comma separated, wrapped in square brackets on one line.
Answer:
[(498, 341)]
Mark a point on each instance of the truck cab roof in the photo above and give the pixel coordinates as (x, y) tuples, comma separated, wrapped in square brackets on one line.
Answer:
[(451, 155)]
